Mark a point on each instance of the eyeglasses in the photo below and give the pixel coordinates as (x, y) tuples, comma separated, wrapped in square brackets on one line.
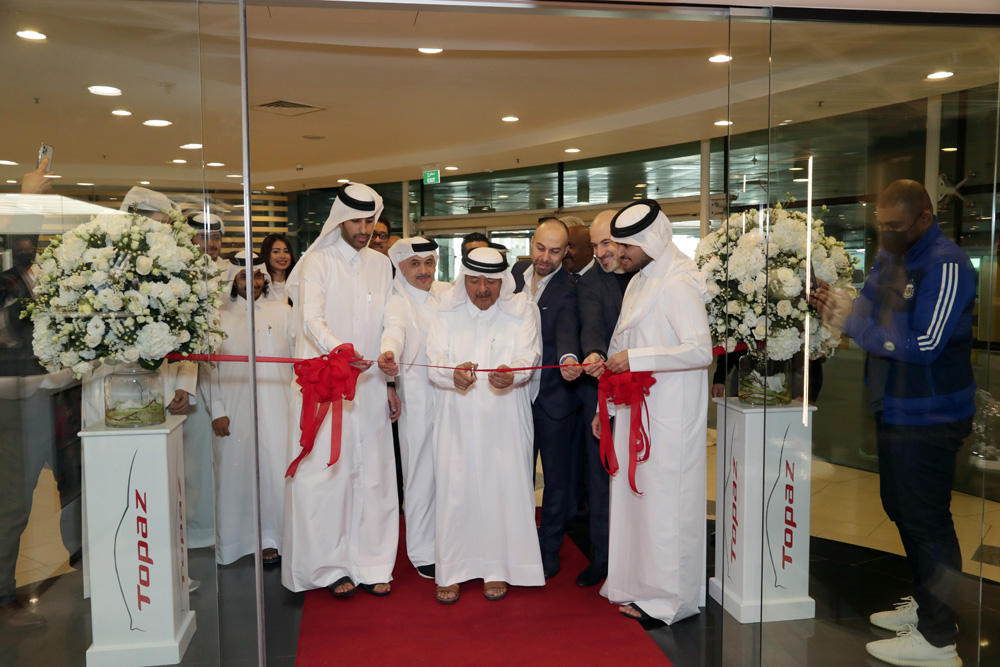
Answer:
[(381, 236)]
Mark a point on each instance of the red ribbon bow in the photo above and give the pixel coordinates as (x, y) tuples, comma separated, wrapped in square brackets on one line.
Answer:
[(326, 382), (625, 389)]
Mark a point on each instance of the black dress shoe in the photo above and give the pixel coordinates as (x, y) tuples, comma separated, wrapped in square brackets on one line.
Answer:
[(550, 565), (593, 574), (426, 571)]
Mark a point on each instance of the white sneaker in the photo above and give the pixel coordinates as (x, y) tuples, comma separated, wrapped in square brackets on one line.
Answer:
[(910, 649), (904, 614)]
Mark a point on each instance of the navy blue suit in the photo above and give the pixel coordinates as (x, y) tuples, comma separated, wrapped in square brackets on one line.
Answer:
[(600, 297), (556, 409)]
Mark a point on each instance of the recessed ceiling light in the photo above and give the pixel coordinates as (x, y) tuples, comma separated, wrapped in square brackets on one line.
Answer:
[(85, 184), (940, 75), (640, 185), (950, 149), (449, 201), (796, 168), (501, 196), (721, 58), (143, 182), (121, 112), (107, 91), (572, 150), (451, 168), (510, 119), (216, 164), (723, 123), (413, 201), (52, 176), (31, 35), (800, 180), (787, 120), (343, 180), (234, 175), (179, 161), (429, 49), (11, 181), (9, 163), (191, 147), (268, 187), (156, 123), (548, 199)]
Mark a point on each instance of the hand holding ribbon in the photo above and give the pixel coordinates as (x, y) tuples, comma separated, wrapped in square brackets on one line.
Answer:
[(326, 382), (629, 388)]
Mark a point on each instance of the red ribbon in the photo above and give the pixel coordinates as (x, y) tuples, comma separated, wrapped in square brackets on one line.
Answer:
[(326, 382), (629, 388)]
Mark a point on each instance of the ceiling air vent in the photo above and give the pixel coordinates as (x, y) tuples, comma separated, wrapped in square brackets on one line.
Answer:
[(286, 108)]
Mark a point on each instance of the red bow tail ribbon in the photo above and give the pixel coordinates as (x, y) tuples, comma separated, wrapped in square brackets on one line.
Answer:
[(625, 389), (326, 382)]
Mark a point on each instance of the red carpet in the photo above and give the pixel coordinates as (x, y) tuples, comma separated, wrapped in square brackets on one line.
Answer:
[(557, 624)]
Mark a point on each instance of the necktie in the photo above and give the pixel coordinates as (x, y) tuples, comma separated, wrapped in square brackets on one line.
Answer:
[(576, 278)]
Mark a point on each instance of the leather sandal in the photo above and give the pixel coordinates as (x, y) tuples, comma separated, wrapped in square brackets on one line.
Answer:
[(370, 589), (340, 582), (454, 588), (495, 584)]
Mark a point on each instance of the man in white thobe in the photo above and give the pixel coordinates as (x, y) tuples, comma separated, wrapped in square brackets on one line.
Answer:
[(483, 430), (657, 548), (234, 450), (342, 521), (408, 315)]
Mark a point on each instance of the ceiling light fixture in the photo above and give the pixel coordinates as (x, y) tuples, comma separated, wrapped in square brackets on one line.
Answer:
[(429, 49), (216, 164), (85, 184), (721, 58), (121, 112), (143, 182), (31, 35), (800, 180), (343, 180), (268, 187), (234, 175), (9, 163), (950, 149), (934, 76), (191, 147), (796, 168), (510, 119), (546, 199), (11, 181), (52, 176), (640, 185), (449, 201), (179, 161), (451, 168), (156, 123), (572, 150), (106, 91), (723, 123), (501, 196)]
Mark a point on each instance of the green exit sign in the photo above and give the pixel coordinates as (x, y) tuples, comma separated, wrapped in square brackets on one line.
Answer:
[(431, 177)]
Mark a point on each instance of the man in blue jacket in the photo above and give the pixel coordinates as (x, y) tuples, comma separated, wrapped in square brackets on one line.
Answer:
[(555, 409), (914, 319)]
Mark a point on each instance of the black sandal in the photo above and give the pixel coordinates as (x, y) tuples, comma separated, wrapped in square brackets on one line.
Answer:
[(370, 588), (643, 616), (340, 582)]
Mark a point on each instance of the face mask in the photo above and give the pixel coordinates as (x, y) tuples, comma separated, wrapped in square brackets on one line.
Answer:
[(23, 259)]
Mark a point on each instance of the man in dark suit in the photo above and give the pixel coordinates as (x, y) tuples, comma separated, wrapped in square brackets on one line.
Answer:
[(600, 292), (555, 410)]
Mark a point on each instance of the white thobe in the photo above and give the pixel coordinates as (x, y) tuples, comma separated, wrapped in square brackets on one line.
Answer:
[(485, 500), (342, 520), (234, 472), (657, 547), (407, 322)]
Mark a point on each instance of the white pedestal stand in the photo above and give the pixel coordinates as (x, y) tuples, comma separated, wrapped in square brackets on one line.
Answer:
[(762, 491), (137, 545)]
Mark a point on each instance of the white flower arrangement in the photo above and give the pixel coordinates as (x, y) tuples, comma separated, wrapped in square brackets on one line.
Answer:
[(124, 288), (755, 278)]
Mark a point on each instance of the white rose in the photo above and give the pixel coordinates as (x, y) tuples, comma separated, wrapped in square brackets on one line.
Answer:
[(784, 308), (143, 266)]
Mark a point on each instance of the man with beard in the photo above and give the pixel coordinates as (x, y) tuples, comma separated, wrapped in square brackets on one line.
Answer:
[(231, 417), (342, 520), (380, 238), (657, 518), (913, 318), (408, 316), (485, 506), (554, 411)]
